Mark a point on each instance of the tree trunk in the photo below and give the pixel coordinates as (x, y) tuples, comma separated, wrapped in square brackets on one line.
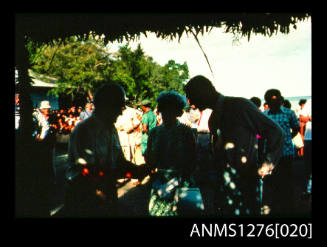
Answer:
[(30, 198), (90, 94)]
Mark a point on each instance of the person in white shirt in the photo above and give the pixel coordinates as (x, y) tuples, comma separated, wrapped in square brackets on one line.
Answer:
[(125, 124), (45, 144), (41, 116), (87, 112)]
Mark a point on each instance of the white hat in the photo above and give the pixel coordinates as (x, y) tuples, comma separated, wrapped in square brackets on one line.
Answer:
[(45, 104)]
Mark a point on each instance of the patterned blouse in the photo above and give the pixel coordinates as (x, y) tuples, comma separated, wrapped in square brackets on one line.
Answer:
[(287, 120)]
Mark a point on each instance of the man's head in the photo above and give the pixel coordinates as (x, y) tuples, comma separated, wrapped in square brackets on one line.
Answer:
[(109, 102), (45, 107), (200, 92), (146, 105), (274, 99), (302, 102)]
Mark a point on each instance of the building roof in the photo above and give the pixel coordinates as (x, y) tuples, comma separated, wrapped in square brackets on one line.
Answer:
[(44, 27), (39, 80)]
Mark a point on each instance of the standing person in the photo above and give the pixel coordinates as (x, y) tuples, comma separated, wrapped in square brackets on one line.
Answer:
[(132, 130), (149, 121), (308, 157), (281, 181), (87, 112), (233, 125), (287, 104), (159, 117), (17, 109), (137, 137), (194, 115), (94, 144), (45, 142), (170, 152), (304, 116), (125, 125)]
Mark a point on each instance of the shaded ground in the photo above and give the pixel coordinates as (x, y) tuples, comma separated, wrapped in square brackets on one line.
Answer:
[(133, 199)]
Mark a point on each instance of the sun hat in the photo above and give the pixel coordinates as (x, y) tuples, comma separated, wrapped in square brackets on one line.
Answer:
[(145, 102), (45, 104)]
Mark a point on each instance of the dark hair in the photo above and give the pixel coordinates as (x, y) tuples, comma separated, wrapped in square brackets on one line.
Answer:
[(109, 95), (171, 101), (273, 92), (201, 85), (256, 101), (287, 104), (302, 101)]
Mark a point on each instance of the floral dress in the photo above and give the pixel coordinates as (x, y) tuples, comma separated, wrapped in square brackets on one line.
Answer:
[(171, 152)]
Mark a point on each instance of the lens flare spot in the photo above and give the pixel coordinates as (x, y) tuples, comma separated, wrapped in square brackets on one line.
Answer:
[(85, 172), (229, 145), (88, 151), (81, 161), (227, 177)]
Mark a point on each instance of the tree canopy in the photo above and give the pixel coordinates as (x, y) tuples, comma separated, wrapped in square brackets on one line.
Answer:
[(82, 65)]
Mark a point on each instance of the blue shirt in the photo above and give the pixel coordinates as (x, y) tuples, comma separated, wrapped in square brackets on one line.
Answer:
[(287, 120)]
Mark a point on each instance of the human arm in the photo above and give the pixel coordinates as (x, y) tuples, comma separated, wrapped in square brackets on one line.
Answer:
[(294, 123), (144, 128), (134, 124), (274, 136), (81, 151)]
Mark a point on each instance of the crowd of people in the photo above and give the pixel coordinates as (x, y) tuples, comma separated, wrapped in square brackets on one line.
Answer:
[(242, 143)]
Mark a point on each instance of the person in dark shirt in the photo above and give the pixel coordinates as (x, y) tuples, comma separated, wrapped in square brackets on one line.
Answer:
[(281, 182), (234, 124), (94, 145)]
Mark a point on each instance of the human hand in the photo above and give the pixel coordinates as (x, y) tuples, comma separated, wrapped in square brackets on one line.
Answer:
[(265, 169), (39, 139), (100, 194)]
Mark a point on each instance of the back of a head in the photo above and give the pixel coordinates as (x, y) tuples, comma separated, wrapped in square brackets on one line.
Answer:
[(199, 85), (273, 97), (110, 95), (256, 101), (171, 101)]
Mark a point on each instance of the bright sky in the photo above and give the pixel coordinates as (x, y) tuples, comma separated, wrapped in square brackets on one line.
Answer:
[(243, 68)]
